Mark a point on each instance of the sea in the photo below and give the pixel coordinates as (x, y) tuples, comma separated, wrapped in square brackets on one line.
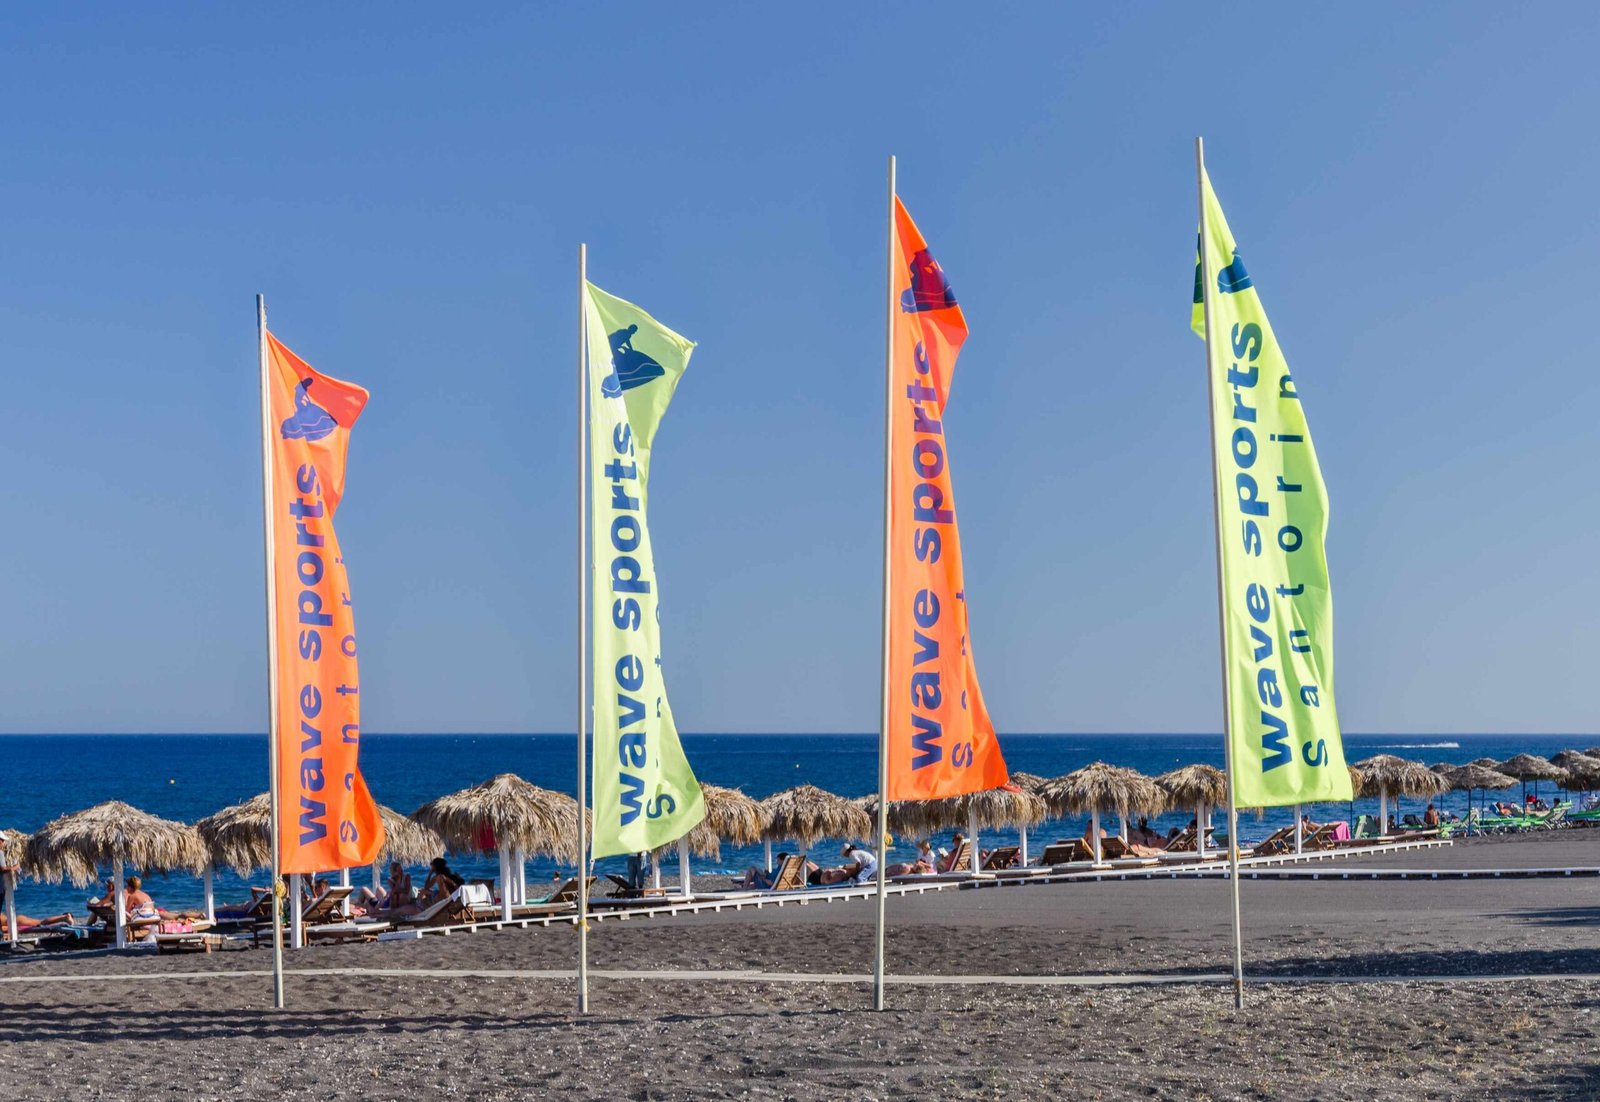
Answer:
[(186, 777)]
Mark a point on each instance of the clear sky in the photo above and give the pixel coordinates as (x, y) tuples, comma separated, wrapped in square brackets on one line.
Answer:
[(1415, 186)]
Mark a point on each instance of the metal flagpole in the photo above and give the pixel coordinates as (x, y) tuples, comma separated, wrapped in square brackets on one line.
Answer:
[(583, 630), (272, 651), (883, 684), (1216, 511)]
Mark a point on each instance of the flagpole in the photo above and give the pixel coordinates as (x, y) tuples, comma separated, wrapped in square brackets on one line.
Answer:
[(583, 631), (272, 649), (883, 681), (1222, 632)]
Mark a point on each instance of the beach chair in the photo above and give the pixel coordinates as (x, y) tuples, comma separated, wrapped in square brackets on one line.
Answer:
[(961, 860), (185, 935), (1279, 841), (791, 874), (455, 909), (1185, 841), (1066, 853), (324, 909), (259, 909), (1322, 837), (1000, 858), (1556, 819), (625, 890), (355, 929)]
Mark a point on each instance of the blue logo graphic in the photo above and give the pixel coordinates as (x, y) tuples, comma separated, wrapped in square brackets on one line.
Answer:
[(929, 289), (310, 421), (629, 366), (1233, 277)]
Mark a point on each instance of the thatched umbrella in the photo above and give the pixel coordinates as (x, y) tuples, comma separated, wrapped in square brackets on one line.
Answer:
[(1201, 786), (1490, 763), (12, 843), (74, 847), (1385, 773), (1583, 770), (992, 808), (513, 817), (731, 816), (1474, 777), (240, 838), (1530, 767), (808, 814), (1100, 787)]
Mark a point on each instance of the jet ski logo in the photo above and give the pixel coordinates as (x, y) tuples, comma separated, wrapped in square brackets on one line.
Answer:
[(929, 289), (310, 421), (629, 366)]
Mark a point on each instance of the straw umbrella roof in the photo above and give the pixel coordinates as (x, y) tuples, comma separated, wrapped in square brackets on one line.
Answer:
[(730, 816), (12, 845), (240, 837), (1032, 782), (75, 846), (993, 808), (1398, 776), (1465, 778), (1102, 787), (505, 812), (1444, 768), (1492, 763), (1582, 769), (1195, 784), (1528, 767), (807, 814)]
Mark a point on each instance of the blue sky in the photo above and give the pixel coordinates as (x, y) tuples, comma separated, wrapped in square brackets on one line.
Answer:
[(1414, 185)]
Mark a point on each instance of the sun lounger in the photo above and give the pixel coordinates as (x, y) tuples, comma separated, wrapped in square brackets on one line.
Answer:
[(455, 909), (183, 935), (1066, 853), (1000, 858), (626, 890), (1324, 837), (319, 911), (791, 874), (1279, 841), (356, 929), (961, 860)]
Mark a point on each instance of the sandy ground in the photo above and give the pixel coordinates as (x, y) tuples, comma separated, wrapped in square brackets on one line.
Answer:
[(501, 1037)]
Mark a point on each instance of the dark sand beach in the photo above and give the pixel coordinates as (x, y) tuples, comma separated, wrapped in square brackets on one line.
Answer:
[(198, 1027)]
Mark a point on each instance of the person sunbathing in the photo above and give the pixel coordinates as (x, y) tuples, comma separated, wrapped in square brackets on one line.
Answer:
[(947, 861), (924, 864), (397, 895), (441, 883), (1430, 816), (860, 867), (759, 879), (25, 923)]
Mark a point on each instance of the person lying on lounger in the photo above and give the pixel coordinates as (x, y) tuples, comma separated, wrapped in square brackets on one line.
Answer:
[(26, 923), (860, 867), (924, 864), (757, 878), (391, 899)]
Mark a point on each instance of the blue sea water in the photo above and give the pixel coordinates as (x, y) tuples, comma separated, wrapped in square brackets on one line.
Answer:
[(187, 777)]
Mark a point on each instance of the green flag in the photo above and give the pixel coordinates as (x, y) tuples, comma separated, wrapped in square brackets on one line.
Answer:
[(1277, 609), (645, 794)]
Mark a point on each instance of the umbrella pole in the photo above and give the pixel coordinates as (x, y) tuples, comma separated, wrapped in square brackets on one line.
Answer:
[(521, 877), (1094, 832), (211, 895), (655, 870), (972, 833), (1299, 831), (119, 898), (505, 885), (377, 879), (296, 932), (1022, 844), (1201, 814), (684, 878), (11, 907), (344, 882), (1383, 812), (766, 852)]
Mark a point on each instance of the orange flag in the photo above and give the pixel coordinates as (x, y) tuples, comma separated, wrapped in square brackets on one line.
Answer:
[(326, 817), (941, 741)]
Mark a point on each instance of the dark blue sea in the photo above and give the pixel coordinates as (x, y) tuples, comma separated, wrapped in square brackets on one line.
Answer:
[(187, 777)]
